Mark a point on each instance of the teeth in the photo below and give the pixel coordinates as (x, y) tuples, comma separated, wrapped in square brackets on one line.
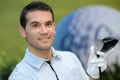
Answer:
[(44, 38)]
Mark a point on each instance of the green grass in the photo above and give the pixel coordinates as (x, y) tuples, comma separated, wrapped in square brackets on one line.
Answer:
[(12, 46)]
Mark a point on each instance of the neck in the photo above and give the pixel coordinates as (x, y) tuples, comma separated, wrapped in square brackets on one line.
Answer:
[(46, 54)]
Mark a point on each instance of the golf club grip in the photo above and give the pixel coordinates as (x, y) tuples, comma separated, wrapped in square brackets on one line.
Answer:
[(100, 72)]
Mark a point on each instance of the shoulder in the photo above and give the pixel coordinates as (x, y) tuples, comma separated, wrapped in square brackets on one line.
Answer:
[(66, 54), (63, 53), (20, 72), (68, 57), (71, 62)]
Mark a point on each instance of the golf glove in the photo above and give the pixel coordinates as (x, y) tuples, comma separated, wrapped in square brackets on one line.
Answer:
[(95, 62)]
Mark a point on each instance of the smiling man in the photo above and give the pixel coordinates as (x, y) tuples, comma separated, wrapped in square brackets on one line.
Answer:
[(41, 60), (39, 32)]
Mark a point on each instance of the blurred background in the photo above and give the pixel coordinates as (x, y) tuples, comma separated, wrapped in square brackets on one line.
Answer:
[(12, 46)]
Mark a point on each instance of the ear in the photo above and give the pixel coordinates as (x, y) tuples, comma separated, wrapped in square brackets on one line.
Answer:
[(22, 32)]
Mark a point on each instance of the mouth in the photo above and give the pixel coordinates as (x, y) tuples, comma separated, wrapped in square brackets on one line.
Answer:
[(44, 39)]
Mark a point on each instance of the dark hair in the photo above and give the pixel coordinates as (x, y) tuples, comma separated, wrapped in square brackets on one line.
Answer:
[(31, 7)]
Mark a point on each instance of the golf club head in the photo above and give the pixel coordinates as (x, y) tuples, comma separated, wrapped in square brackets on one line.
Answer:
[(106, 44)]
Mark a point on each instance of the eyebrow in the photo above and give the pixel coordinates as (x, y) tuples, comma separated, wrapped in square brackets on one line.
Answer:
[(38, 22), (33, 22), (49, 22)]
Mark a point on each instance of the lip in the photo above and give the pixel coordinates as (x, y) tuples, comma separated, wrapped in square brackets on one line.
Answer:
[(44, 38)]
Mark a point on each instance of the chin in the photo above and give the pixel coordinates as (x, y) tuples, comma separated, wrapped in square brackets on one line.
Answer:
[(46, 47)]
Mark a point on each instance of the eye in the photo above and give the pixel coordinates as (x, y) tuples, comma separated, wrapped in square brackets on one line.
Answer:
[(35, 25), (49, 24)]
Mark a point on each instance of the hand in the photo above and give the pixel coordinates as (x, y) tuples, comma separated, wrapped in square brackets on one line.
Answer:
[(94, 62)]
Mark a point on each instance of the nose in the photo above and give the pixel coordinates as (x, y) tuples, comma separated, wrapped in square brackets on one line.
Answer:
[(43, 29)]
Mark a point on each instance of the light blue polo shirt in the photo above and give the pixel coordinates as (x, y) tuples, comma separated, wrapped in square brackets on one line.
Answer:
[(65, 64)]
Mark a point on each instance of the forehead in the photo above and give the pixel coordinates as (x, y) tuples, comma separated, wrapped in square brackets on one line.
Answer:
[(39, 16)]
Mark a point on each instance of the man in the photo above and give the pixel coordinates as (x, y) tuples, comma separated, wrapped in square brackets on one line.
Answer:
[(41, 60)]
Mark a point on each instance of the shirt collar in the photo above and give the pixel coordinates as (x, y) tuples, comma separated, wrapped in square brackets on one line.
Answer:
[(56, 54), (36, 61)]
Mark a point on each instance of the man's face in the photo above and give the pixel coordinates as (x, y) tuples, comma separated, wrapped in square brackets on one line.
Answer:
[(39, 31)]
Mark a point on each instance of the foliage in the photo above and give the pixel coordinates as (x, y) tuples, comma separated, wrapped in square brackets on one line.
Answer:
[(112, 74), (6, 66)]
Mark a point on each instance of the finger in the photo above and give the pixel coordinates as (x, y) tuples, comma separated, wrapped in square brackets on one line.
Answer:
[(98, 60), (100, 65), (105, 54), (102, 54), (92, 51)]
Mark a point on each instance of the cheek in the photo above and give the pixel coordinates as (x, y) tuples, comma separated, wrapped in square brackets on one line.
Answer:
[(52, 33), (30, 35)]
